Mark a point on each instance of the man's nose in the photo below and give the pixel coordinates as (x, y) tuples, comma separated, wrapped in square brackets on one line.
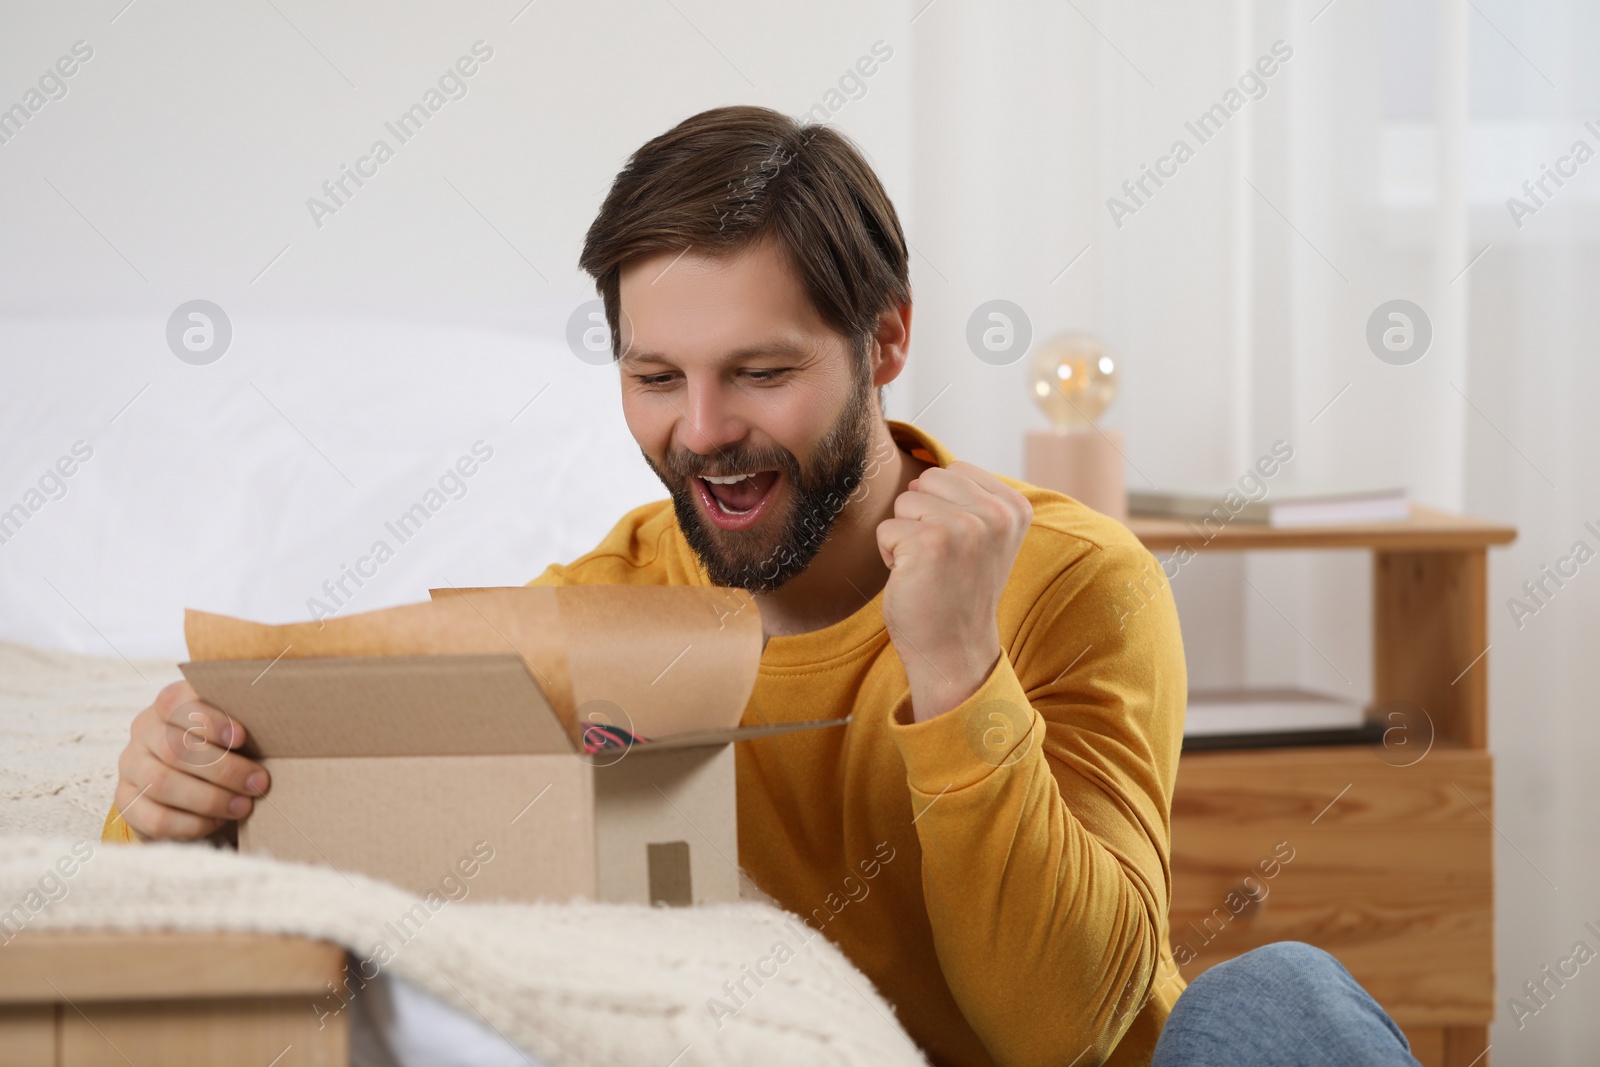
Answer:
[(710, 422)]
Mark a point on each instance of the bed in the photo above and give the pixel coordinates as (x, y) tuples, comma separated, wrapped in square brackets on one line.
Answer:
[(191, 954)]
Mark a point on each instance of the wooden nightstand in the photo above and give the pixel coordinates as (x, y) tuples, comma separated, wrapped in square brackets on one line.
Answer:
[(1393, 851)]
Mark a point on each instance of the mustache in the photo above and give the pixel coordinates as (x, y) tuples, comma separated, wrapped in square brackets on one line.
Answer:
[(684, 464)]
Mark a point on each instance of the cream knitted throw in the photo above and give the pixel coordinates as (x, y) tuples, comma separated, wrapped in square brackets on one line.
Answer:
[(574, 984)]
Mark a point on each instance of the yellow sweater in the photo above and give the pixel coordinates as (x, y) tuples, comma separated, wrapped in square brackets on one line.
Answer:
[(1000, 872)]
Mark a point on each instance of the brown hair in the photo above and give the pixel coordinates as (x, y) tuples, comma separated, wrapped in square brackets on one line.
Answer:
[(729, 177)]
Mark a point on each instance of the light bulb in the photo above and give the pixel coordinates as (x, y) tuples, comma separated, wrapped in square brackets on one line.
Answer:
[(1073, 381)]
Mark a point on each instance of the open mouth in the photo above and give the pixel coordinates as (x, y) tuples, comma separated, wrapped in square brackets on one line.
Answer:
[(737, 501)]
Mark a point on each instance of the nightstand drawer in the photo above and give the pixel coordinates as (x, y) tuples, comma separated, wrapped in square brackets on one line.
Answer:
[(1395, 877)]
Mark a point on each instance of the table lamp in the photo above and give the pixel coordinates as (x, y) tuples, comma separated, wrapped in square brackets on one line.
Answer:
[(1073, 381)]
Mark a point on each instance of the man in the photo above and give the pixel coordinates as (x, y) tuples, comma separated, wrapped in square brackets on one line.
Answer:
[(1007, 773)]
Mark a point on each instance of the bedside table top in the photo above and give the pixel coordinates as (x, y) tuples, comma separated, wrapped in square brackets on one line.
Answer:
[(1427, 530)]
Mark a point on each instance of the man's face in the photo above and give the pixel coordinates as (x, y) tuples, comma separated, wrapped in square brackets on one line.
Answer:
[(753, 413)]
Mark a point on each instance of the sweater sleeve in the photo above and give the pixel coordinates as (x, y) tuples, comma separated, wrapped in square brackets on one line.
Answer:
[(1042, 808), (115, 831)]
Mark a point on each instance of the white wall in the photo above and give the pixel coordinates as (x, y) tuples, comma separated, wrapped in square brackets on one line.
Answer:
[(372, 350)]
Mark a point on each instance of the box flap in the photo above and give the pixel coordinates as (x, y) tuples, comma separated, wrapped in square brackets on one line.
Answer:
[(737, 733), (383, 705), (489, 624)]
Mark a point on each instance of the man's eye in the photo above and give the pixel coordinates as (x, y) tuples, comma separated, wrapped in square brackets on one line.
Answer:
[(764, 374)]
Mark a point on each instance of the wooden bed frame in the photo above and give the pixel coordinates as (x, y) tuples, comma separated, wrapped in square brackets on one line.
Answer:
[(169, 1000)]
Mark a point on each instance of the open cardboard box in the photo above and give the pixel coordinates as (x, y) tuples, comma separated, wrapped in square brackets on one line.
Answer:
[(529, 743)]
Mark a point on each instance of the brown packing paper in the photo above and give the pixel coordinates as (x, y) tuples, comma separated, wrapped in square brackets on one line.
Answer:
[(664, 660), (674, 660)]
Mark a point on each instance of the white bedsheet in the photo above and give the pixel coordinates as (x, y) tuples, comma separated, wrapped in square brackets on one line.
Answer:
[(397, 1024)]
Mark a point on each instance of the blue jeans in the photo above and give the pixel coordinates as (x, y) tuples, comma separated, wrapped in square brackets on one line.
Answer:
[(1281, 1005)]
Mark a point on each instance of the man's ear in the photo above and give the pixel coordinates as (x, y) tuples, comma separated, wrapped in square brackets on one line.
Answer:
[(892, 345)]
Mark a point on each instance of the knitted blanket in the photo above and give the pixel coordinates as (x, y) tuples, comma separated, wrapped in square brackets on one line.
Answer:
[(63, 720), (573, 984)]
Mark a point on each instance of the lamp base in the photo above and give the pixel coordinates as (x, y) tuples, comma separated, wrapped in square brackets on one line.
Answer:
[(1084, 464)]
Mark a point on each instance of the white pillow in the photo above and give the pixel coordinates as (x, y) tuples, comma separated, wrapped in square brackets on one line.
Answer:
[(245, 485)]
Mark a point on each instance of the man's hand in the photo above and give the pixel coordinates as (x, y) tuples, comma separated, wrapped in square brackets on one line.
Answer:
[(178, 778), (950, 547)]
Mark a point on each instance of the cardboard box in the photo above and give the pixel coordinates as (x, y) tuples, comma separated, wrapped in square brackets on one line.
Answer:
[(555, 743)]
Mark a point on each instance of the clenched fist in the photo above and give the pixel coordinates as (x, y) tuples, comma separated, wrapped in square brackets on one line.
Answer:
[(179, 777), (955, 533)]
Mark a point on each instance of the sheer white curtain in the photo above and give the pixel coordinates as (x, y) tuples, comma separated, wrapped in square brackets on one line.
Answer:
[(1375, 165), (1530, 460)]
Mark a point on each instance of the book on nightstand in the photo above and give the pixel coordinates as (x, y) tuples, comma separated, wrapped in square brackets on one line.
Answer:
[(1270, 718), (1283, 508)]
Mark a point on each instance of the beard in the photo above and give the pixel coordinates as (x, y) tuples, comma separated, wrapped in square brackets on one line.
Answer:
[(759, 560)]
